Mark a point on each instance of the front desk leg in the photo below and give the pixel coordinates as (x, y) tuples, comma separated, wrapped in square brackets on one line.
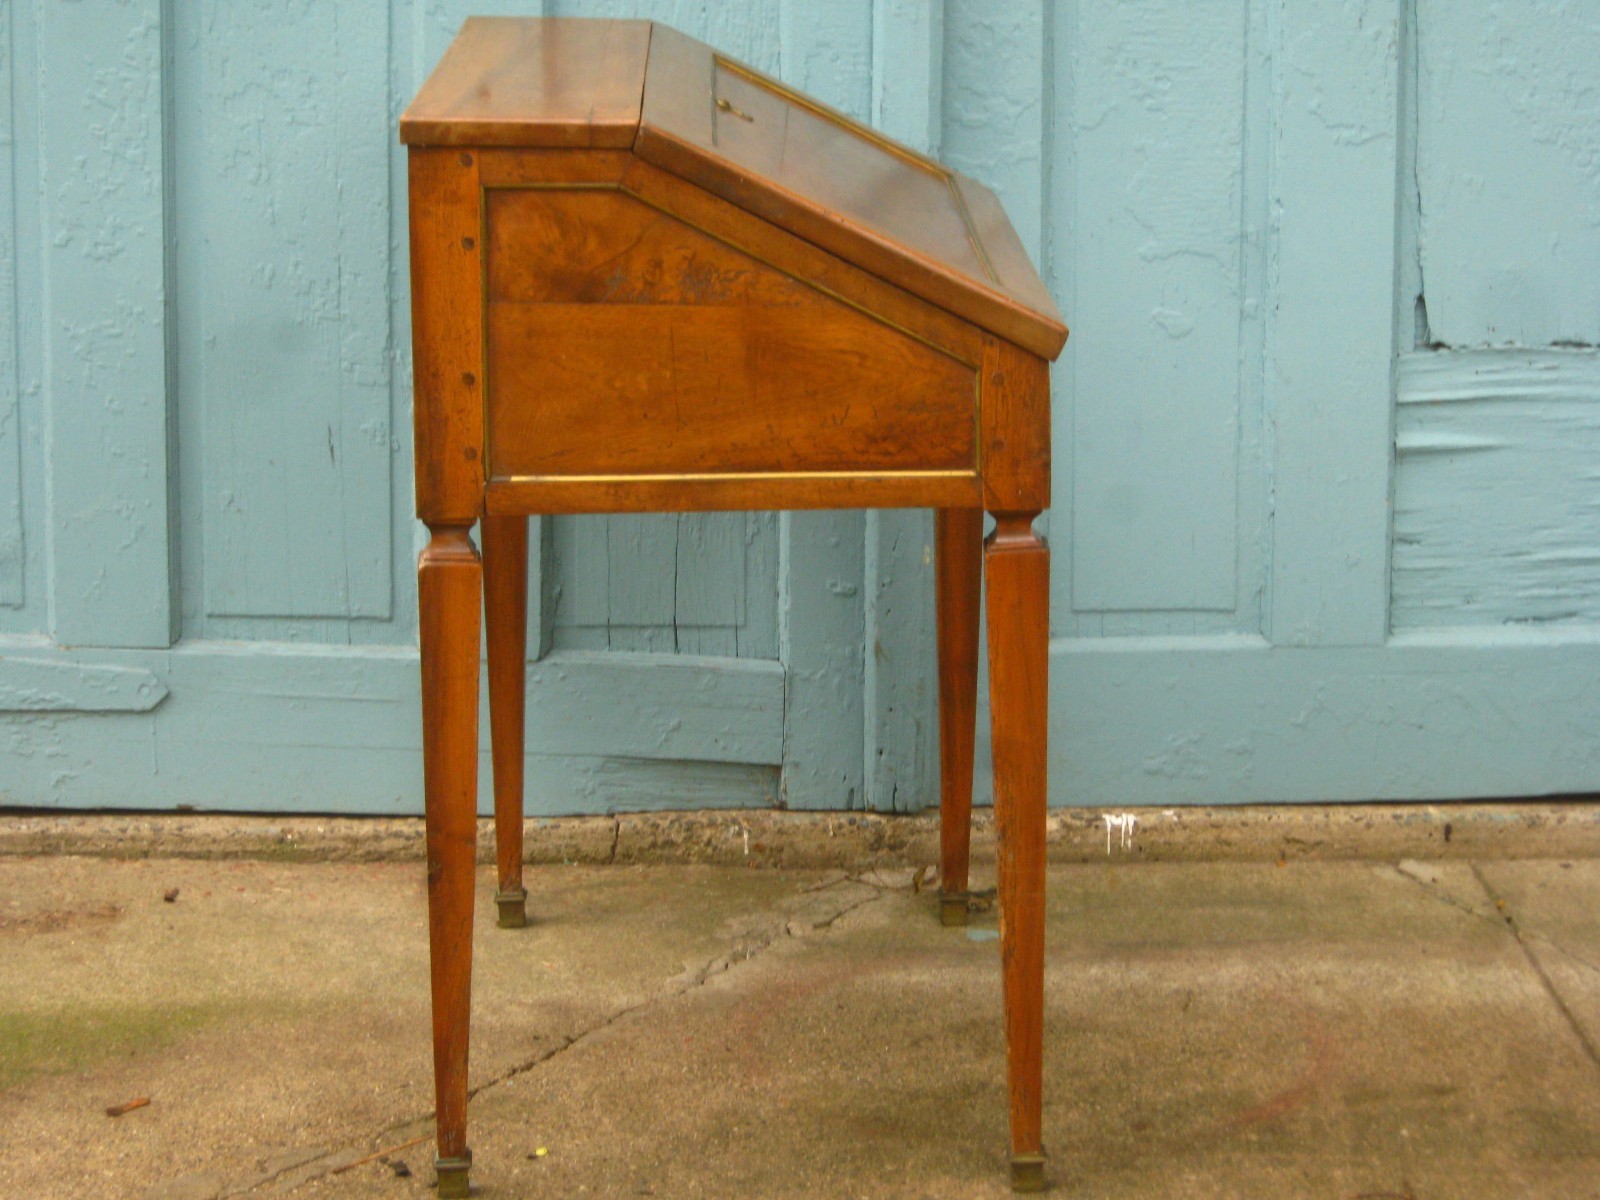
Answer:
[(505, 607), (1017, 565), (958, 581), (449, 584)]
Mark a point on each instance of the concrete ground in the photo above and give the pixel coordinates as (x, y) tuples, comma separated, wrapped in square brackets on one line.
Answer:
[(1365, 1030)]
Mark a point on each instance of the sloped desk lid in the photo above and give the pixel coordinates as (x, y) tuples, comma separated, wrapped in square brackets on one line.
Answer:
[(681, 106)]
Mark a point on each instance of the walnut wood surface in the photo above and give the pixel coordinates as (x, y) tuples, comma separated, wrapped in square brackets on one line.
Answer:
[(814, 170), (1015, 429), (505, 612), (621, 341), (448, 582), (1017, 567), (958, 581), (741, 135), (447, 334), (509, 81)]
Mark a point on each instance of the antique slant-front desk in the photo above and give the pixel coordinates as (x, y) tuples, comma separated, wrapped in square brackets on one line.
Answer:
[(647, 278)]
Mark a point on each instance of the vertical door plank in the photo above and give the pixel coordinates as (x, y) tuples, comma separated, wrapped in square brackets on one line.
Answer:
[(825, 50), (294, 325), (908, 71), (10, 409), (821, 630), (901, 725), (642, 550), (103, 165), (1331, 336), (1156, 131), (1508, 169), (709, 592), (758, 635)]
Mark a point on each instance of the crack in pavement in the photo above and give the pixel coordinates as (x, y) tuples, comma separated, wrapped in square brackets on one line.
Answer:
[(748, 944), (1538, 968), (1437, 890)]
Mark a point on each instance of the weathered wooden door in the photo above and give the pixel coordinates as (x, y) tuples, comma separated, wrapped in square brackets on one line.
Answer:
[(207, 591), (1325, 430), (1327, 434)]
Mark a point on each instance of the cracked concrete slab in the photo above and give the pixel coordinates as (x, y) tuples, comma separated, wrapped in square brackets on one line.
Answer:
[(278, 1012), (1554, 908), (1213, 1030)]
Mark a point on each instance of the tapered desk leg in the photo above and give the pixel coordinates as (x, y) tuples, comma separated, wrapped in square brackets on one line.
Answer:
[(958, 576), (505, 607), (1017, 564), (449, 578)]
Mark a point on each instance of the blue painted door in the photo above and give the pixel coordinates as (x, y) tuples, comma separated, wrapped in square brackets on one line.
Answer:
[(207, 551), (1326, 447), (1325, 430)]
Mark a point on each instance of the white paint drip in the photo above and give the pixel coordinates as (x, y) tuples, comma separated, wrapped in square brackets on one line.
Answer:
[(1124, 824)]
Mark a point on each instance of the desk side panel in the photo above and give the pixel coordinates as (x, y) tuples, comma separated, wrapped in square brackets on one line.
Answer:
[(622, 342), (447, 333)]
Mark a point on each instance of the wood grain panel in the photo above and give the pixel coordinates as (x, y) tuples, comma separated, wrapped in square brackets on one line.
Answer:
[(668, 389), (633, 344), (507, 80), (1016, 429), (597, 247), (447, 325), (795, 256)]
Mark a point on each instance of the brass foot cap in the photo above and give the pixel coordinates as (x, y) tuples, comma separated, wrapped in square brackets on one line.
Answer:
[(513, 908), (453, 1174), (952, 908), (1027, 1172)]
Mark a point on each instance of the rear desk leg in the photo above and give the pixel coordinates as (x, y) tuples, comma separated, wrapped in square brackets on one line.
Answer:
[(1017, 564), (449, 581), (958, 575), (505, 606)]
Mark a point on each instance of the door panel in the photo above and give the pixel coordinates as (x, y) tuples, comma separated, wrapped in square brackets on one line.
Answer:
[(1325, 433)]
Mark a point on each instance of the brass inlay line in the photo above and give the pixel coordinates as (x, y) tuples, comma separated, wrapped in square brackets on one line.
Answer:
[(972, 231), (868, 476)]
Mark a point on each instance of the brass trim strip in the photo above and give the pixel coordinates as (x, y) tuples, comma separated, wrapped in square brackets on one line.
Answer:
[(865, 477), (972, 230)]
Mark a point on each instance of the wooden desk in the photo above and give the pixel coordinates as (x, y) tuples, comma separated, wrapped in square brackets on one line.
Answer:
[(647, 278)]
